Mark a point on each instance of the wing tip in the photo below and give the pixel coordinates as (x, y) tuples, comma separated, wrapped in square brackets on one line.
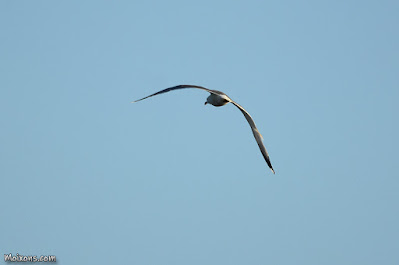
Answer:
[(272, 170), (137, 100)]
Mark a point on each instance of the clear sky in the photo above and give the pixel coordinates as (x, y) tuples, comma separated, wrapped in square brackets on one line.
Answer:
[(93, 179)]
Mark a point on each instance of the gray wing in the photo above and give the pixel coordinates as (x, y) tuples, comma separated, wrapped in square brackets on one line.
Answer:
[(257, 135), (181, 87)]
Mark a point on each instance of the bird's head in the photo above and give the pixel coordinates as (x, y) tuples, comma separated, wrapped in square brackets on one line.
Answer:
[(208, 100)]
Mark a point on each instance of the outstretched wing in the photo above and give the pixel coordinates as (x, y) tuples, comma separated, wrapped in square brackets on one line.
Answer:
[(257, 135), (181, 87)]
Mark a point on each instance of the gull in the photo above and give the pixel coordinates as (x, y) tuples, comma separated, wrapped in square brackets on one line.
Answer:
[(218, 99)]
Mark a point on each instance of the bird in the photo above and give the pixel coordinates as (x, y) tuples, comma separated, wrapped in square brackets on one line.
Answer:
[(218, 99)]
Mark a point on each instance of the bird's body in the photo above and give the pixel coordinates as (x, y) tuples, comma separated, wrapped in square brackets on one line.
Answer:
[(218, 99)]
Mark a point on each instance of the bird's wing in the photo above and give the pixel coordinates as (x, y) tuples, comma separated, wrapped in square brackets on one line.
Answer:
[(257, 135), (181, 87)]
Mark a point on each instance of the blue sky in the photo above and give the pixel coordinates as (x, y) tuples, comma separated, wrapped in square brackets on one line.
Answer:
[(93, 179)]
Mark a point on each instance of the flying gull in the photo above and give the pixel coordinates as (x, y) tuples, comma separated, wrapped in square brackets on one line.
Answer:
[(218, 99)]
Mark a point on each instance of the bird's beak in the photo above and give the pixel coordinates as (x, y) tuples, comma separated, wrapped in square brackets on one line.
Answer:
[(206, 103)]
